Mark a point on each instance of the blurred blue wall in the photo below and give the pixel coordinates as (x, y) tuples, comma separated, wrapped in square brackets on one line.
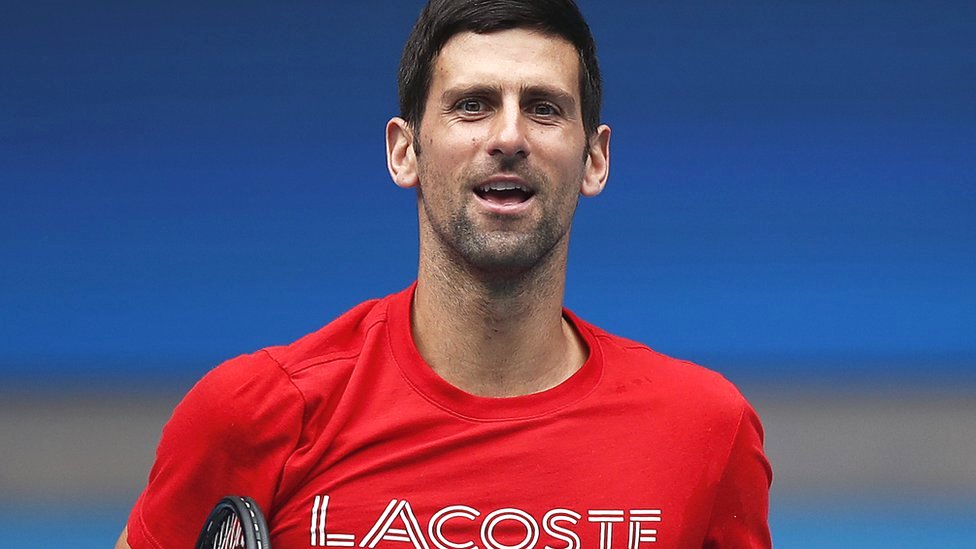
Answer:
[(792, 190)]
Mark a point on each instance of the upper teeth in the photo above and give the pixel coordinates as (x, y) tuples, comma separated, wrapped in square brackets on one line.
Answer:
[(503, 187)]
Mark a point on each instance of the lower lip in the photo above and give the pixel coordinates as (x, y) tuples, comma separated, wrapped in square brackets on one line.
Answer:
[(499, 208)]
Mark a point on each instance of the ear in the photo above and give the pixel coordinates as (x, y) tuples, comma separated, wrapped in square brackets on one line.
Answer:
[(597, 162), (400, 157)]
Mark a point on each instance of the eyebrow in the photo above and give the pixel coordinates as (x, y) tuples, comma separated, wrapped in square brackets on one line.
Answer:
[(451, 94), (556, 94)]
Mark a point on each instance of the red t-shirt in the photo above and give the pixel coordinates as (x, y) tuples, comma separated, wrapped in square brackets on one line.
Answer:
[(347, 438)]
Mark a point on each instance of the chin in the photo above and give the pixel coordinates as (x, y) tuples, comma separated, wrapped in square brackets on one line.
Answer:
[(509, 258)]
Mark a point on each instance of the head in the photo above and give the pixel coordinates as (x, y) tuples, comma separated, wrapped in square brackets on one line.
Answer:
[(442, 19), (503, 98)]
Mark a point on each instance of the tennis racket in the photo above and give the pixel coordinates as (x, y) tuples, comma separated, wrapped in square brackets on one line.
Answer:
[(236, 522)]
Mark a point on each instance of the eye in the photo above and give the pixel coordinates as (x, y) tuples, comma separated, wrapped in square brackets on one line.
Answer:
[(471, 106), (544, 109)]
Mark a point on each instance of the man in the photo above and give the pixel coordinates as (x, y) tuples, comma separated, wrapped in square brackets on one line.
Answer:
[(472, 410)]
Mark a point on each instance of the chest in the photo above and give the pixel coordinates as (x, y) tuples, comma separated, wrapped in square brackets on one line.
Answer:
[(428, 481)]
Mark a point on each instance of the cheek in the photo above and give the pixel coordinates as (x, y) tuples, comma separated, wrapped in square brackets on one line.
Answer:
[(446, 161), (571, 174)]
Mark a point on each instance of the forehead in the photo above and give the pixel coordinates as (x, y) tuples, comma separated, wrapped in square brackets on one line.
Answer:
[(512, 57)]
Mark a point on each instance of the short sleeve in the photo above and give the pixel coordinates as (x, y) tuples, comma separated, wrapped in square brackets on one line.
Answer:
[(740, 516), (231, 434)]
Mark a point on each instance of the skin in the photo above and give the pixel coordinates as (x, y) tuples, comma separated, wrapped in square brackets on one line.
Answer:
[(122, 542), (487, 314)]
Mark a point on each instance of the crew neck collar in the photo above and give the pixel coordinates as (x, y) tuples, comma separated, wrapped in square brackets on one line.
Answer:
[(461, 403)]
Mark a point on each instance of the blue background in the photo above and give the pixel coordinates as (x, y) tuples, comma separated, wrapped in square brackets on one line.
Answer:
[(791, 183)]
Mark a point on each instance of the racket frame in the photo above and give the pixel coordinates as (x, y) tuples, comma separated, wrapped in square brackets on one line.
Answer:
[(250, 518)]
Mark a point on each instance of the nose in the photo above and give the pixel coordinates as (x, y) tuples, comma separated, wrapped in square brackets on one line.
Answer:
[(508, 133)]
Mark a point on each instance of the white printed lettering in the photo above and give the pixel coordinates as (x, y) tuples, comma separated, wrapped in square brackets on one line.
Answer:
[(319, 537), (606, 518), (562, 534), (436, 525), (637, 533), (518, 515), (383, 530), (456, 527), (324, 501)]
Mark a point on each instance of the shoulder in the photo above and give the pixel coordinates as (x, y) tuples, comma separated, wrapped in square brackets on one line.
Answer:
[(686, 381), (249, 390), (268, 381), (342, 338), (246, 419), (709, 422)]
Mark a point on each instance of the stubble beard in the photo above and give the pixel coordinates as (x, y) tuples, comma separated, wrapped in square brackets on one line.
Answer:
[(500, 255)]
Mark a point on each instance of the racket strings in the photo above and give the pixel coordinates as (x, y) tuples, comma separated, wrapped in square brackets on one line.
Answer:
[(230, 535)]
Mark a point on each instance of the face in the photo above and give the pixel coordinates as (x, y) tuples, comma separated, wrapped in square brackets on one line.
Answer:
[(501, 155)]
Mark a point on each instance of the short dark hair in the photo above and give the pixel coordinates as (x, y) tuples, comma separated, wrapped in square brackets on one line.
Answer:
[(442, 19)]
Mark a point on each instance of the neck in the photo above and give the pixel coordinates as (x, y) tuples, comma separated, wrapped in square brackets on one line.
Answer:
[(492, 335)]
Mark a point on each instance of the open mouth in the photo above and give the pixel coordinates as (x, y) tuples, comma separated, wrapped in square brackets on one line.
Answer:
[(504, 194)]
